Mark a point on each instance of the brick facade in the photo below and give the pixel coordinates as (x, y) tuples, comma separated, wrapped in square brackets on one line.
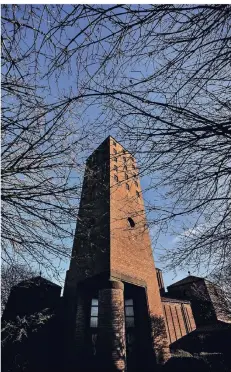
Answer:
[(207, 300), (112, 243), (179, 318)]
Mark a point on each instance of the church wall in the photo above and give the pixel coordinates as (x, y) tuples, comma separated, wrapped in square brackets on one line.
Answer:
[(179, 319)]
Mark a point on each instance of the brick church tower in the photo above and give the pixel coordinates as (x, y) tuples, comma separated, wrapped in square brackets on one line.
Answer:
[(114, 311)]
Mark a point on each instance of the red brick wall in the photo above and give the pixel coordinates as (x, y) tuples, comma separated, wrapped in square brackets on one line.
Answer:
[(179, 319), (130, 247), (111, 245)]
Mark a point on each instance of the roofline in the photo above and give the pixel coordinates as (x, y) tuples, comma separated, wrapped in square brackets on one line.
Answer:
[(35, 277), (105, 140), (176, 285)]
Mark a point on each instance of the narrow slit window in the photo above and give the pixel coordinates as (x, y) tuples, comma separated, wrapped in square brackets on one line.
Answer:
[(94, 313), (126, 176), (127, 186), (137, 194), (124, 159), (131, 222), (129, 313)]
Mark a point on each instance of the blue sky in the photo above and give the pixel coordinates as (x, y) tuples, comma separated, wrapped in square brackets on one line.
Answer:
[(72, 83)]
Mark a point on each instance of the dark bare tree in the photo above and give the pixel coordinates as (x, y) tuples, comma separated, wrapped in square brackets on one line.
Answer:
[(156, 76)]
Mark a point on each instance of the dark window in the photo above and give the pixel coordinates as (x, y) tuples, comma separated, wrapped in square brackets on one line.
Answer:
[(114, 143), (115, 159), (137, 194), (124, 159), (125, 167), (115, 178), (131, 222), (129, 313), (94, 313), (126, 176), (127, 186), (115, 168), (114, 151)]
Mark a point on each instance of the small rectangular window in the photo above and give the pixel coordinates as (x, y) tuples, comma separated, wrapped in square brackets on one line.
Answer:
[(94, 313), (115, 168), (126, 176), (137, 194), (115, 178), (127, 186), (129, 313)]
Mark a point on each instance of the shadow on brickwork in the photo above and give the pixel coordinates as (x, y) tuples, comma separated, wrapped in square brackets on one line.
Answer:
[(35, 343)]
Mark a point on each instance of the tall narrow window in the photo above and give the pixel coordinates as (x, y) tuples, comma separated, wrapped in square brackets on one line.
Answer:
[(124, 159), (127, 186), (94, 313), (126, 176), (137, 194), (129, 313)]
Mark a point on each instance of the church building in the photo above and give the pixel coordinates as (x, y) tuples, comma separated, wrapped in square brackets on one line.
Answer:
[(115, 315), (112, 290)]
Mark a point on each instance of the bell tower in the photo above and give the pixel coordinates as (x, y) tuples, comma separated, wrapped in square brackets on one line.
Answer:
[(114, 310)]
